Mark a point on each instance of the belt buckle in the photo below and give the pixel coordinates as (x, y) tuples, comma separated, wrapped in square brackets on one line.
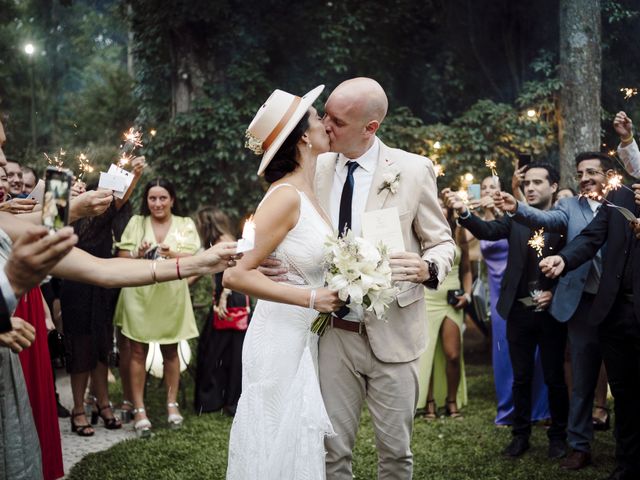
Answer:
[(361, 330)]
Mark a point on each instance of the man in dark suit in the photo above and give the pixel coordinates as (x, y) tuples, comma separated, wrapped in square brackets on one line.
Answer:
[(574, 294), (529, 325), (616, 312)]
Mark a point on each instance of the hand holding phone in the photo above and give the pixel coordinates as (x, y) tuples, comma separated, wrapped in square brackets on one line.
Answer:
[(57, 192)]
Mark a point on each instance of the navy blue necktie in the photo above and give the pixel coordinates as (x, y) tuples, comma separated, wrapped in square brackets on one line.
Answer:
[(344, 218)]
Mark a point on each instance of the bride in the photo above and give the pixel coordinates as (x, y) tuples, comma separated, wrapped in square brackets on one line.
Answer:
[(279, 428)]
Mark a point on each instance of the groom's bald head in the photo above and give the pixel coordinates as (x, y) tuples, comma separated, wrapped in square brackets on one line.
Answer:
[(353, 114), (366, 95)]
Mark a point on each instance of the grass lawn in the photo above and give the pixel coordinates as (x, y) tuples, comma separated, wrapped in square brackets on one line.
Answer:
[(444, 449)]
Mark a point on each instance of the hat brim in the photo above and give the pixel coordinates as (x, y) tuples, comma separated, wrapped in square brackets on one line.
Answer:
[(304, 105)]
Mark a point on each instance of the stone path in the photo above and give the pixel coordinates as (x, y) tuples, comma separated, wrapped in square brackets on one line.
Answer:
[(75, 447)]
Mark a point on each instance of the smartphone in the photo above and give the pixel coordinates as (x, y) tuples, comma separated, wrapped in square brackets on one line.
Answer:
[(473, 191), (524, 159), (57, 193)]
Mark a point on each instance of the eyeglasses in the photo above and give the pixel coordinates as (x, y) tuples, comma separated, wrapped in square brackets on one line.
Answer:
[(589, 172)]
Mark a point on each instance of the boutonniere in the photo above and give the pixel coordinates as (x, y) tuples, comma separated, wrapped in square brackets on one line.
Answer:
[(390, 181)]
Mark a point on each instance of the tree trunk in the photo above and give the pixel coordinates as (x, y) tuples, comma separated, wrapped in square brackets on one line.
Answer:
[(188, 76), (581, 76)]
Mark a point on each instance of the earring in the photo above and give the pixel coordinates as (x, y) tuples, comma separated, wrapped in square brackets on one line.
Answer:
[(309, 145)]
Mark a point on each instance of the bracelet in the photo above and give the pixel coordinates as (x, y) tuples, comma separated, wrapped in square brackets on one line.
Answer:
[(629, 139), (312, 298), (153, 271), (467, 297), (178, 268), (131, 254)]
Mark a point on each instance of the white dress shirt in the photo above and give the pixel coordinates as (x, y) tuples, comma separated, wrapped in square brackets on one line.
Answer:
[(362, 179), (630, 156)]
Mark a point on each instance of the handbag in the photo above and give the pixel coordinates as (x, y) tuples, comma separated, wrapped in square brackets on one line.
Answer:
[(237, 317)]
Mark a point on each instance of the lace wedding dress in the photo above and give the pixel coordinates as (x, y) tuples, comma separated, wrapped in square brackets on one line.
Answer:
[(280, 424)]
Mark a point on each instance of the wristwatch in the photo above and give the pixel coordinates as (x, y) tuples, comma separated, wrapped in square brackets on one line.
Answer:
[(432, 282)]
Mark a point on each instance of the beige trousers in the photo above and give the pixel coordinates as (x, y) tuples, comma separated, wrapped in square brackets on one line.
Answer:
[(350, 374)]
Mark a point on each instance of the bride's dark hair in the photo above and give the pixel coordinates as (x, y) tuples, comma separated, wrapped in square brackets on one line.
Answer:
[(285, 159)]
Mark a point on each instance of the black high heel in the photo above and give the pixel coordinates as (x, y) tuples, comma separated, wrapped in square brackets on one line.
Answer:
[(455, 414), (601, 425), (110, 423), (85, 430)]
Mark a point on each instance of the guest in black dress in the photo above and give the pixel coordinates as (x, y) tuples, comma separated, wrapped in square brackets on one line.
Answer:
[(219, 362)]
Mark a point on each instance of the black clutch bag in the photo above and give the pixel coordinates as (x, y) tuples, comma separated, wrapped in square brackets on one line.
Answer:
[(452, 296)]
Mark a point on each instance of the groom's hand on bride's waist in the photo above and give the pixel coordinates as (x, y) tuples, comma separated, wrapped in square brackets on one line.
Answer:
[(272, 268), (408, 267)]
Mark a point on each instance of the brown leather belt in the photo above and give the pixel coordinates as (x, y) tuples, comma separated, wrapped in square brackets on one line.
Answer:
[(356, 327)]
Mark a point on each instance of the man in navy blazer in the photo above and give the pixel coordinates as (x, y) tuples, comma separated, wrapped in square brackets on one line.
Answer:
[(574, 294), (529, 325), (616, 312)]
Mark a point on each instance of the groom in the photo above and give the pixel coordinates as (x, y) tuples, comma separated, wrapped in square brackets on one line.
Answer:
[(363, 358)]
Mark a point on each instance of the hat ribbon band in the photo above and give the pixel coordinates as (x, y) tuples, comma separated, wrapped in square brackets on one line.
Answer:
[(283, 121)]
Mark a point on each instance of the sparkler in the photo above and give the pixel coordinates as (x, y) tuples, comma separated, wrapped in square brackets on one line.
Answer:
[(56, 160), (614, 182), (629, 92), (84, 165), (132, 140), (599, 198), (491, 165), (537, 241)]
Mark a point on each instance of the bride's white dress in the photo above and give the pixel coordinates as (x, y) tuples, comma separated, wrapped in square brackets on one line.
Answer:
[(280, 423)]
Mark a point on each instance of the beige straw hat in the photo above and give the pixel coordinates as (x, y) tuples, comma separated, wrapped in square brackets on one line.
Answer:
[(274, 122)]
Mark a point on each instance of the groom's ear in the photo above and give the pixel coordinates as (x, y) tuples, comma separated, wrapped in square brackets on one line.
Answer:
[(371, 128)]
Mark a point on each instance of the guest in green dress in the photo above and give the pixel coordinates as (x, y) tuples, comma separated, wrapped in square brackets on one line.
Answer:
[(161, 312), (441, 366)]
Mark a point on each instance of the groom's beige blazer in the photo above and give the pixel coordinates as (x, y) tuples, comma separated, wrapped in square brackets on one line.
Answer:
[(402, 337)]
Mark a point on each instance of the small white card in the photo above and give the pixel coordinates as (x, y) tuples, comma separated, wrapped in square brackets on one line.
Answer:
[(112, 182), (383, 226), (127, 176), (37, 193)]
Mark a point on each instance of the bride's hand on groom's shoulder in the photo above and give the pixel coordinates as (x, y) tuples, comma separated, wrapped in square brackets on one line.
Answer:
[(272, 267), (327, 301)]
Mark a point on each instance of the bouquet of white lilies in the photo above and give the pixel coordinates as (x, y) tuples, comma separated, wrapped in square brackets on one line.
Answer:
[(360, 272)]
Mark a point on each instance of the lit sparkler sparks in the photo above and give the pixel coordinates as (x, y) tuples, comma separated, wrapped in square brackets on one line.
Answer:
[(56, 160), (629, 92), (133, 137), (537, 241), (614, 182), (83, 165), (132, 140), (492, 165)]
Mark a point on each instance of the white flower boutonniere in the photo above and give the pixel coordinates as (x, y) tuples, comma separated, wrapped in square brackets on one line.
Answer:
[(390, 181)]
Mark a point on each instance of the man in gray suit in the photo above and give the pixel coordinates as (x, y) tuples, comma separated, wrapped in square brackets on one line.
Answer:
[(574, 294)]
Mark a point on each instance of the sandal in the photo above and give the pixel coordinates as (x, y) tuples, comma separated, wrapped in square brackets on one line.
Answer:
[(85, 430), (126, 407), (599, 424), (429, 414), (143, 426), (453, 413), (174, 419), (110, 423)]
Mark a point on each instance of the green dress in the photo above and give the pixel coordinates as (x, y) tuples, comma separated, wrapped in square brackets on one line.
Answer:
[(433, 359), (161, 312)]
